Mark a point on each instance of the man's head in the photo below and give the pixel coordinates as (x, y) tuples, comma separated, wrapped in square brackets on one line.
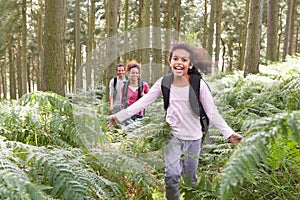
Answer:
[(120, 68)]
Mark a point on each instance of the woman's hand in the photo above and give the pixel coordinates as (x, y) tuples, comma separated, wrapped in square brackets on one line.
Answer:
[(113, 120), (235, 138)]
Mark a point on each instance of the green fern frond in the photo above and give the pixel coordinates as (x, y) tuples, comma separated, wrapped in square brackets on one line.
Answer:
[(65, 174), (60, 170), (14, 182), (254, 149)]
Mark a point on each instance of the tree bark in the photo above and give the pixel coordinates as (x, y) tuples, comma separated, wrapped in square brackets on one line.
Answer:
[(177, 16), (39, 74), (54, 47), (272, 31), (211, 29), (156, 62), (244, 37), (219, 7), (90, 45), (168, 27), (112, 46), (291, 49), (12, 71), (4, 78), (287, 30), (252, 55), (204, 33), (24, 51), (145, 41), (19, 68), (78, 67)]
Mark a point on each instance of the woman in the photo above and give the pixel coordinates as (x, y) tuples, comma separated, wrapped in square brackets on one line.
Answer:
[(133, 89), (185, 126)]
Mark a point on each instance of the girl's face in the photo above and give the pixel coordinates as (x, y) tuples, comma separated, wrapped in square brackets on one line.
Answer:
[(134, 74), (180, 62)]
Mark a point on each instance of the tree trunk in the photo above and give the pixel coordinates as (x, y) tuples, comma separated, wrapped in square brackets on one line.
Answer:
[(112, 46), (4, 78), (177, 16), (287, 30), (156, 62), (297, 41), (39, 74), (12, 71), (252, 55), (24, 49), (54, 47), (90, 45), (126, 39), (204, 33), (211, 29), (168, 27), (19, 68), (272, 31), (280, 32), (219, 6), (291, 49), (244, 37), (145, 41), (78, 67)]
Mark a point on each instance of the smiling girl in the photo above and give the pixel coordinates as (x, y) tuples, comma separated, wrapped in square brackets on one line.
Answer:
[(133, 89), (186, 130)]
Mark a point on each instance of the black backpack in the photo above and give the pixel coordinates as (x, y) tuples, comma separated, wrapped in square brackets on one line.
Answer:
[(125, 90), (193, 97), (116, 79)]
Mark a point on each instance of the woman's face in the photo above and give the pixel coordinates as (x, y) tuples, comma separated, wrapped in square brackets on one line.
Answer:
[(180, 62), (134, 74)]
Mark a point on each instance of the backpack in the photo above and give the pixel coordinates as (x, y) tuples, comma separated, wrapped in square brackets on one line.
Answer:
[(193, 97), (116, 79), (125, 90)]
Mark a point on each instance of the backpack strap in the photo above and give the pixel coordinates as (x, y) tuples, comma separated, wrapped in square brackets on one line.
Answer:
[(141, 88), (194, 97), (165, 88), (115, 81), (124, 96), (125, 91), (195, 102)]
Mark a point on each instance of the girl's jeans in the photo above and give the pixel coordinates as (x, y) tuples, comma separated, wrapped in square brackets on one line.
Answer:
[(176, 167)]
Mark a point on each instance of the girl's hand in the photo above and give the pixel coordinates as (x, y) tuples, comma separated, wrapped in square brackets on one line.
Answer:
[(235, 138)]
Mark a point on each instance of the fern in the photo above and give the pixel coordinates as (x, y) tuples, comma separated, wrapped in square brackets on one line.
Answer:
[(254, 149), (53, 172), (39, 118), (14, 182)]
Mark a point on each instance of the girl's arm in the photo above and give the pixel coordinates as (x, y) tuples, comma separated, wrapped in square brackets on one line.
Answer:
[(212, 112)]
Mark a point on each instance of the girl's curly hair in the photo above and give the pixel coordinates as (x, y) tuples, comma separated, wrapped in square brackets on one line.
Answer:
[(132, 64)]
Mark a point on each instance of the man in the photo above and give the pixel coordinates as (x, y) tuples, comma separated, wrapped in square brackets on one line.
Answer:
[(114, 88)]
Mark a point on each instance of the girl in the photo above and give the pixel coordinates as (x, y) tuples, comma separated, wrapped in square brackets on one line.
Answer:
[(133, 89), (186, 128)]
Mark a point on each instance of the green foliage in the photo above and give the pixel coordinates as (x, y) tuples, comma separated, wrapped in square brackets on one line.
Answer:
[(39, 119), (59, 148), (255, 150), (262, 95), (38, 172)]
